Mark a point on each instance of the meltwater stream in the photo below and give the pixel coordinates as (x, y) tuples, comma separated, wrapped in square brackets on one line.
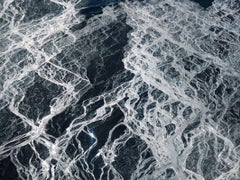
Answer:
[(98, 90)]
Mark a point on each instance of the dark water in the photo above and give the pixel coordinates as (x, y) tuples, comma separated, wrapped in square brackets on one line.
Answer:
[(204, 3), (8, 170)]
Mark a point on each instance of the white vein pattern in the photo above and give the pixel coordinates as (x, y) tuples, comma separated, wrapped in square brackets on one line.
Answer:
[(134, 90)]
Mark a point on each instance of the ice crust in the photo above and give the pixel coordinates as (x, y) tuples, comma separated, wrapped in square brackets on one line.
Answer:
[(134, 90)]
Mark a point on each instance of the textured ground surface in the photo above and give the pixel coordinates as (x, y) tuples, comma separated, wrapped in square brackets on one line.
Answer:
[(144, 89)]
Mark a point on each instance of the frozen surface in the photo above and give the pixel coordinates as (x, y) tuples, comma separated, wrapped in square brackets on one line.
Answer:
[(144, 89)]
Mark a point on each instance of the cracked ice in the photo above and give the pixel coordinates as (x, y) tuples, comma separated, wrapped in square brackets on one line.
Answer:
[(119, 90)]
